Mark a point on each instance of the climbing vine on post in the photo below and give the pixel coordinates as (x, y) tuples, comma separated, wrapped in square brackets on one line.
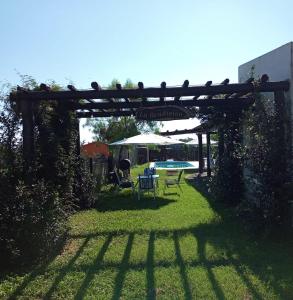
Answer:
[(266, 159), (33, 213), (227, 182)]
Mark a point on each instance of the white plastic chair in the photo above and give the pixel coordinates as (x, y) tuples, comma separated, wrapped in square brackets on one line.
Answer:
[(173, 182)]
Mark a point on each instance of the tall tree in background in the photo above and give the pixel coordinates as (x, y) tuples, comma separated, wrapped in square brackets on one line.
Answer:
[(112, 129)]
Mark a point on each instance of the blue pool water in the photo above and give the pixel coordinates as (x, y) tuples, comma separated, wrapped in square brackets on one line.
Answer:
[(172, 164)]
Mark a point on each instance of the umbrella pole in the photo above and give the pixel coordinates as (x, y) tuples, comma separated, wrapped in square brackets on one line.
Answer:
[(119, 156)]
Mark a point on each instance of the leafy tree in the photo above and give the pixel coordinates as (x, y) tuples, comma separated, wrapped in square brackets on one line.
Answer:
[(113, 129)]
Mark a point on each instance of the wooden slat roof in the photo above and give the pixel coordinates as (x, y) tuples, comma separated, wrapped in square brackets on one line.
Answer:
[(98, 102)]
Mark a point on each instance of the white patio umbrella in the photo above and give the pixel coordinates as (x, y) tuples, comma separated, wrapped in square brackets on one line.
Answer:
[(147, 139)]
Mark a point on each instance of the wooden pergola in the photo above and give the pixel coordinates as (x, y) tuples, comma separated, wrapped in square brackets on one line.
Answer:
[(100, 103)]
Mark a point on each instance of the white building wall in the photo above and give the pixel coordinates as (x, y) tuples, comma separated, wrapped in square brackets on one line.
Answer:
[(278, 65)]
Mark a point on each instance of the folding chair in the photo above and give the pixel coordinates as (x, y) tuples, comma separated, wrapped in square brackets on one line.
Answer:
[(173, 182), (146, 183), (122, 183)]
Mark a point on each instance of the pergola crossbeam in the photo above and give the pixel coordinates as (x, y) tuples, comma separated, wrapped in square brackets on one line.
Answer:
[(223, 97), (185, 85), (105, 114), (184, 103), (143, 93), (163, 87), (97, 87), (119, 87), (74, 89)]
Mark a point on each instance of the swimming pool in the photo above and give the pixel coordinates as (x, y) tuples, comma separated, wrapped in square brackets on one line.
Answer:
[(174, 165)]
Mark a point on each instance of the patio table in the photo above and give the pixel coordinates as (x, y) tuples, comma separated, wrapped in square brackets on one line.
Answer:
[(155, 177)]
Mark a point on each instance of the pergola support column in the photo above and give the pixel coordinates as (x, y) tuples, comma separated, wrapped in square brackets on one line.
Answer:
[(77, 138), (221, 143), (200, 153), (282, 133), (28, 139), (208, 154), (91, 165)]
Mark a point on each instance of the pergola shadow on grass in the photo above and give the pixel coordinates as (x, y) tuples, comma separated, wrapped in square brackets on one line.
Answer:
[(119, 257), (243, 258), (267, 255), (215, 249), (128, 201)]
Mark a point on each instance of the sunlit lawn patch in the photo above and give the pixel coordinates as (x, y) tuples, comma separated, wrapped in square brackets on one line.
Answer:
[(177, 247)]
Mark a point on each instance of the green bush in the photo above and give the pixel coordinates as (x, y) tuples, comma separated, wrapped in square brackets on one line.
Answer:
[(227, 182), (86, 187), (32, 220), (33, 216)]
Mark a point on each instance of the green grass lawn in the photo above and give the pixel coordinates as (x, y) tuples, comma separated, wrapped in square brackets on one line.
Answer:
[(177, 247)]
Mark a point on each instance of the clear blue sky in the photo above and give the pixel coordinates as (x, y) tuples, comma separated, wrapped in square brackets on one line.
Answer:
[(149, 41)]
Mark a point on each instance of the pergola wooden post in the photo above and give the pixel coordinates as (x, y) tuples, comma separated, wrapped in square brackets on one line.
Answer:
[(200, 153), (77, 137), (221, 143), (208, 154), (91, 165), (27, 139), (282, 134)]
